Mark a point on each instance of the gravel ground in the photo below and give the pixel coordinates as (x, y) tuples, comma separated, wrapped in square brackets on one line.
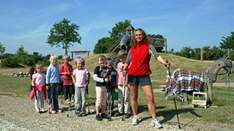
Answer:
[(17, 114)]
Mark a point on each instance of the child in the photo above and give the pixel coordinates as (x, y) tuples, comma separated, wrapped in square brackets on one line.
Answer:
[(123, 93), (80, 79), (53, 80), (38, 83), (111, 85), (66, 74), (100, 76)]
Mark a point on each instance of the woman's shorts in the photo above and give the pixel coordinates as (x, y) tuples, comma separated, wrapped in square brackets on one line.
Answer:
[(139, 80)]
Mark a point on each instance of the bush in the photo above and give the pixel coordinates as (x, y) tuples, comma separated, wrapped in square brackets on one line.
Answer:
[(10, 62)]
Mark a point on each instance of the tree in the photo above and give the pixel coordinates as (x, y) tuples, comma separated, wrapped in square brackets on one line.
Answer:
[(158, 41), (105, 44), (187, 52), (227, 42), (64, 34), (118, 30), (2, 49)]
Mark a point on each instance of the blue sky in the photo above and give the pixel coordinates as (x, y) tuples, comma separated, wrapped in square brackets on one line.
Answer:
[(191, 23)]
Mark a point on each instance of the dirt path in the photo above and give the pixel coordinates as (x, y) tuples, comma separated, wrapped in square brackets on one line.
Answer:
[(18, 114)]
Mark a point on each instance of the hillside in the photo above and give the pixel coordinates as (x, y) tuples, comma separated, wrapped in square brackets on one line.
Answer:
[(158, 70)]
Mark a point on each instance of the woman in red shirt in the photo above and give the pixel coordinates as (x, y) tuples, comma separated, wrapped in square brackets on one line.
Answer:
[(139, 74)]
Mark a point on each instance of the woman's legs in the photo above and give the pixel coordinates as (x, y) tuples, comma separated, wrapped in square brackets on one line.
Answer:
[(133, 99), (150, 100)]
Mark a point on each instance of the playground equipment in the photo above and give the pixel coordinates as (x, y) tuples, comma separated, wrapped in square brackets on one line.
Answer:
[(228, 70), (183, 81)]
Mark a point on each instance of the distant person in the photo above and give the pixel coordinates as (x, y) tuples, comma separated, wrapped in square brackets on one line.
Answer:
[(66, 75), (53, 81), (31, 71), (138, 63), (81, 80), (39, 87)]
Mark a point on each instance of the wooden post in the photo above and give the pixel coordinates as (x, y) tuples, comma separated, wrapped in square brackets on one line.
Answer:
[(165, 42), (209, 93), (201, 54)]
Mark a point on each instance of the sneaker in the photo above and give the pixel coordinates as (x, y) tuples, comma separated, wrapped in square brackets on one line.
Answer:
[(77, 112), (60, 110), (42, 110), (79, 115), (117, 114), (155, 124), (53, 112), (49, 109), (103, 115), (37, 110), (67, 102), (135, 120), (83, 114), (127, 115), (98, 117)]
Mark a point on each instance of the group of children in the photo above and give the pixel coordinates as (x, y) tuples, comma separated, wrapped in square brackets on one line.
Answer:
[(55, 77), (75, 85)]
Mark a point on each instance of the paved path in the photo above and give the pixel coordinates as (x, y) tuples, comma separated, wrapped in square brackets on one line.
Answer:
[(224, 85), (17, 114)]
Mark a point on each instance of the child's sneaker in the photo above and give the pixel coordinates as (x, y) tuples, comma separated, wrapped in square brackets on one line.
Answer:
[(155, 124), (98, 117), (49, 109), (53, 112), (77, 112), (127, 115), (103, 115), (42, 110), (67, 102), (60, 110), (135, 120), (37, 110), (83, 114)]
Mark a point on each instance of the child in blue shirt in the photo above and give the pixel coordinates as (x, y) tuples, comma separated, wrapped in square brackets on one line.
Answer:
[(53, 80)]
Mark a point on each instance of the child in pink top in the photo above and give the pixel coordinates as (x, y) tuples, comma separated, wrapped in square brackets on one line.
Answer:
[(38, 82), (80, 79), (123, 92)]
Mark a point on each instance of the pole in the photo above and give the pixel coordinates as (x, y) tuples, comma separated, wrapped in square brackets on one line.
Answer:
[(177, 114), (123, 98)]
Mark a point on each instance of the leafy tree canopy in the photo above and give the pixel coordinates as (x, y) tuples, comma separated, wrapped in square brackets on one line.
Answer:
[(64, 34), (228, 42), (105, 44)]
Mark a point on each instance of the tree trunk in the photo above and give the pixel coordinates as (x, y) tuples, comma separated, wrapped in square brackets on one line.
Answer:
[(65, 47), (65, 51)]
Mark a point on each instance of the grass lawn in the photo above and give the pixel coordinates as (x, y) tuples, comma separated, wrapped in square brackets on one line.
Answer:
[(221, 112)]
